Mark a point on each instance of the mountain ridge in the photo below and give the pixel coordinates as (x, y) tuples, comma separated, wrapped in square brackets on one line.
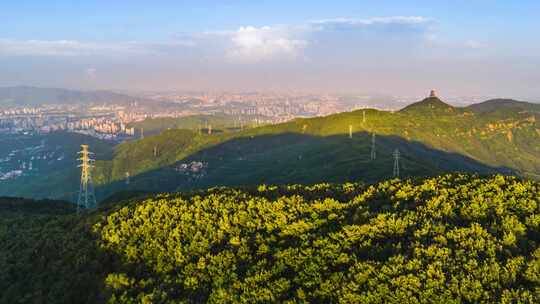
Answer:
[(499, 104), (33, 96), (311, 150)]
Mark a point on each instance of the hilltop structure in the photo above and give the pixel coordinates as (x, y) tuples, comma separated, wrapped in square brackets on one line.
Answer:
[(432, 105)]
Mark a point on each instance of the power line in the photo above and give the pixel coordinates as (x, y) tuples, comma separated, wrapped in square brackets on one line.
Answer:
[(396, 163), (373, 151), (87, 198)]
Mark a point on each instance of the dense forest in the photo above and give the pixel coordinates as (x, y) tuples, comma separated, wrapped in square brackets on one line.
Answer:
[(449, 239)]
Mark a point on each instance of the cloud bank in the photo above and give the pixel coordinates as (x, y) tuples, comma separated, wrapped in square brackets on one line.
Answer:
[(252, 44), (387, 54), (247, 44)]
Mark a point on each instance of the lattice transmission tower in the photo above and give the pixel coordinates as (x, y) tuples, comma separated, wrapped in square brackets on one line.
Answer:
[(373, 151), (396, 163), (87, 198)]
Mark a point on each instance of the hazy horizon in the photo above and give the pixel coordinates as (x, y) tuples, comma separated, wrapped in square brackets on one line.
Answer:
[(394, 48)]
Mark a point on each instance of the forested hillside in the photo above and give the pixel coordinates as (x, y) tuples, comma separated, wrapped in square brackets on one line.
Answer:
[(504, 104), (432, 137), (218, 123), (450, 239)]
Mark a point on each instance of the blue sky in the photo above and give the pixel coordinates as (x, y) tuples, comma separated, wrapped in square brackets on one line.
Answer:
[(477, 46)]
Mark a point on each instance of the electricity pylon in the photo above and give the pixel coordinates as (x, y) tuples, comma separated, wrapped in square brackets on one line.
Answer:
[(87, 198), (373, 152), (396, 163)]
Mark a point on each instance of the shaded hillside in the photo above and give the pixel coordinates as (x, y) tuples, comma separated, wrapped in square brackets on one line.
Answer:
[(13, 207), (432, 137), (54, 157), (47, 254), (282, 158), (453, 238)]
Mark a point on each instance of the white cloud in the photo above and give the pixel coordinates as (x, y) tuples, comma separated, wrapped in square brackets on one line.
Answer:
[(394, 20), (473, 44), (91, 73), (257, 44), (61, 47), (80, 48), (247, 44), (251, 44)]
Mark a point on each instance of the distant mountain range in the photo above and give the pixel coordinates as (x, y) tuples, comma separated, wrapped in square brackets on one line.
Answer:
[(32, 96)]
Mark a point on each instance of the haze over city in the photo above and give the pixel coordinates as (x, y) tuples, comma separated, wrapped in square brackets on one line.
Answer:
[(462, 48)]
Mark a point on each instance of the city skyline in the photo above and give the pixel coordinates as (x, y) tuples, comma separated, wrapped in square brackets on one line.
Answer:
[(399, 48)]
